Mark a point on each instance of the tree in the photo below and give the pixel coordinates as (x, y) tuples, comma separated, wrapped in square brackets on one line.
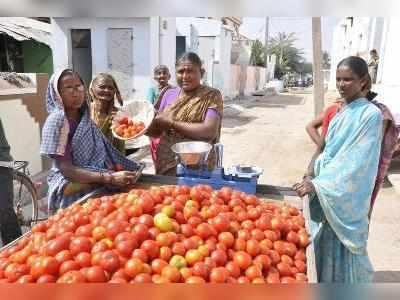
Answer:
[(257, 56), (326, 60), (307, 68), (288, 57)]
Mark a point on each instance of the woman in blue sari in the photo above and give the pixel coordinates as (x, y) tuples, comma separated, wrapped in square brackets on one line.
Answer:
[(342, 181), (83, 158)]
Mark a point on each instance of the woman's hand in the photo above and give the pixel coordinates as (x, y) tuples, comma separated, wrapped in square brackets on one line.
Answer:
[(305, 187), (164, 120), (124, 178)]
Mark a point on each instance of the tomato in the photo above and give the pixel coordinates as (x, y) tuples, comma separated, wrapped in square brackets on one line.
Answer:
[(51, 265), (99, 233), (193, 256), (100, 246), (220, 257), (146, 219), (110, 261), (233, 269), (301, 277), (123, 236), (178, 248), (284, 269), (142, 278), (134, 210), (301, 266), (300, 255), (273, 278), (204, 230), (195, 279), (52, 247), (140, 231), (242, 259), (72, 277), (84, 259), (81, 218), (243, 279), (151, 247), (171, 273), (288, 279), (146, 202), (264, 222), (240, 244), (189, 244), (201, 269), (14, 271), (157, 265), (84, 230), (287, 259), (26, 279), (275, 257), (46, 278), (40, 227), (227, 239), (95, 274), (118, 280), (219, 275), (133, 267), (264, 261), (253, 272), (67, 266), (80, 244), (178, 261), (115, 227), (140, 254), (303, 240), (125, 248)]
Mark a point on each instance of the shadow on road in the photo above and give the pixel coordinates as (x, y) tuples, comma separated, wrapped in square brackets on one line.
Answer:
[(386, 276), (276, 101), (236, 121)]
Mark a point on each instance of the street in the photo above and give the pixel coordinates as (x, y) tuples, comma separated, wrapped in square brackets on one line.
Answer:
[(270, 133)]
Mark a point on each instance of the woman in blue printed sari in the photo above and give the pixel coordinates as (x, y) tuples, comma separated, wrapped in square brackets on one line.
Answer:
[(341, 185), (82, 155)]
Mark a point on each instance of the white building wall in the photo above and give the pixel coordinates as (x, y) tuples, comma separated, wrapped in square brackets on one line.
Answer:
[(146, 47), (351, 39), (167, 47), (381, 34)]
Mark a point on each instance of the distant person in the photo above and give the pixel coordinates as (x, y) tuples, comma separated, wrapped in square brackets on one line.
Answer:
[(103, 91), (373, 65), (9, 227), (161, 76), (190, 112), (322, 121)]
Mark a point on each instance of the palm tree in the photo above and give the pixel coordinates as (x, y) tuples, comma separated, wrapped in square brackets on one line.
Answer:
[(289, 58), (257, 56)]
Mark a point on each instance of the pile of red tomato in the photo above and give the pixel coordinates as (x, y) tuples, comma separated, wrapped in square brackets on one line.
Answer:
[(127, 128), (164, 234)]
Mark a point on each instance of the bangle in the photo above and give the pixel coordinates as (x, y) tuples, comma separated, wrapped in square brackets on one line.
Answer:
[(106, 177)]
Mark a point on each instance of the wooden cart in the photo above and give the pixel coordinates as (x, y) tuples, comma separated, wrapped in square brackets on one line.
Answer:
[(264, 192)]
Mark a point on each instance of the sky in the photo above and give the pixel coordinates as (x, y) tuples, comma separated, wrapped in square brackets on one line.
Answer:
[(255, 28)]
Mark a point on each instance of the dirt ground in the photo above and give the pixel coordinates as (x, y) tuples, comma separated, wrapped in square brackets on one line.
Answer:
[(270, 133)]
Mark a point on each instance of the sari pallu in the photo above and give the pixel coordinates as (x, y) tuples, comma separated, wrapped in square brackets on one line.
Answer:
[(345, 174), (390, 138), (192, 108), (90, 148)]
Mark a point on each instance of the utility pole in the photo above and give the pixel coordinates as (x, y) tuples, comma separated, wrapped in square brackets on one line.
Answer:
[(318, 78), (266, 38)]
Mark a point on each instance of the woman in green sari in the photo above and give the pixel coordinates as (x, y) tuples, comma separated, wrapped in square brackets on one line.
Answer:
[(103, 90)]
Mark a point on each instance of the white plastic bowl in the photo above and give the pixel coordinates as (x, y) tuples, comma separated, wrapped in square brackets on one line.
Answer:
[(138, 111)]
